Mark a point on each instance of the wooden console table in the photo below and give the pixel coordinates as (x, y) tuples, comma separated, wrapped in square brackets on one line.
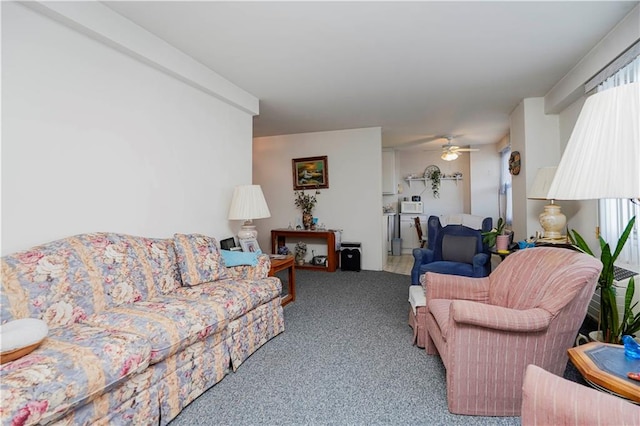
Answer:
[(279, 237)]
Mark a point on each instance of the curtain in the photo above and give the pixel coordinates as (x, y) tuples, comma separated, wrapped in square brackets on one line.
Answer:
[(615, 214)]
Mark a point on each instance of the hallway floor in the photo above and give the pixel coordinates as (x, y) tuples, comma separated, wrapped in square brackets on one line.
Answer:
[(399, 264)]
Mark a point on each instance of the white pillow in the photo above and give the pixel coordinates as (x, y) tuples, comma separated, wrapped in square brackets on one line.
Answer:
[(21, 333)]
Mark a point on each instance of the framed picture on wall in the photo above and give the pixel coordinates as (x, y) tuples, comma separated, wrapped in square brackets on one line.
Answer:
[(310, 173), (250, 245)]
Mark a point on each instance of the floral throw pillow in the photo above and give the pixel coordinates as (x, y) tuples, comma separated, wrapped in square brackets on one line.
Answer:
[(199, 259)]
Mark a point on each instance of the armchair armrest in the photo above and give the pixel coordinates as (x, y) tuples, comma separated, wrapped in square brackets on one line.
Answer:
[(441, 286), (422, 255), (480, 259), (247, 272), (498, 317)]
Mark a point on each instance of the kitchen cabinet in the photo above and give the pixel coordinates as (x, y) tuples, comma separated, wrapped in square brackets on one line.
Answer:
[(389, 186), (408, 231)]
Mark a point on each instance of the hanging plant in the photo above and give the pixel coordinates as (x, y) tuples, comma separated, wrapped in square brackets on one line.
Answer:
[(434, 176)]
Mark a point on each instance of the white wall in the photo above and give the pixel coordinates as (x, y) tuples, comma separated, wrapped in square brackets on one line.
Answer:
[(95, 140), (454, 197), (353, 200), (536, 135), (484, 178)]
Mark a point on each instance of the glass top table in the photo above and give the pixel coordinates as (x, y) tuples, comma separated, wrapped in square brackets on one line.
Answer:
[(605, 367)]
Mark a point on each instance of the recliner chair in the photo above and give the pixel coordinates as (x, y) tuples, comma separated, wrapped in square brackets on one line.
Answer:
[(455, 248)]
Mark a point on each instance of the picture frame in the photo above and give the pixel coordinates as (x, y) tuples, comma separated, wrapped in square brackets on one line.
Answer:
[(250, 245), (228, 243), (310, 173)]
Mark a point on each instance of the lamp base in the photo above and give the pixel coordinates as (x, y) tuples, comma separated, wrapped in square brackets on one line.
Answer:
[(552, 221), (247, 232)]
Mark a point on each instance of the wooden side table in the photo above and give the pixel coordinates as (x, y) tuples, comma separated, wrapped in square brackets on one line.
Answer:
[(278, 265), (604, 366), (502, 255)]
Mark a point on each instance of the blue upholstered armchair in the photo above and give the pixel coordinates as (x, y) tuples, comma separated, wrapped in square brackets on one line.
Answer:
[(455, 248)]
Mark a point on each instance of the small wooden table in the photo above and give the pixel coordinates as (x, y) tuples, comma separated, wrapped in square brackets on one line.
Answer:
[(502, 255), (278, 265), (279, 236), (605, 367)]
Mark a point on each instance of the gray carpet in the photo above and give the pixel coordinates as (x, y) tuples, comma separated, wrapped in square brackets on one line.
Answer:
[(345, 358)]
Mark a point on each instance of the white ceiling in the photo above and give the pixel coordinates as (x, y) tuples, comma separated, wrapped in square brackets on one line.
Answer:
[(416, 69)]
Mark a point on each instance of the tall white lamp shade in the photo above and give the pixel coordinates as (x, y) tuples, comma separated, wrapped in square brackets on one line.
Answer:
[(248, 203), (552, 219), (602, 157)]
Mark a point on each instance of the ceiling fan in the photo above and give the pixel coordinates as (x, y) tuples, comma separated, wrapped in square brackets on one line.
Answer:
[(450, 152)]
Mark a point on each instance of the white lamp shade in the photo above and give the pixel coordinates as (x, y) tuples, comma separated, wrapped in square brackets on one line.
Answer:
[(602, 158), (541, 184), (248, 203), (449, 156)]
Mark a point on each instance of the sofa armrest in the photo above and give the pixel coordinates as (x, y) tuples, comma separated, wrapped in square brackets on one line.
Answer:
[(548, 399), (441, 286), (247, 272), (498, 317)]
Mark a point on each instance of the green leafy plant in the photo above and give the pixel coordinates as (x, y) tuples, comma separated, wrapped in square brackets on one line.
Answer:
[(489, 237), (612, 327)]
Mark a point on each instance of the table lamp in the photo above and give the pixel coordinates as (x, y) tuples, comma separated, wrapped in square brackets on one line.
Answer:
[(602, 157), (602, 160), (551, 219), (248, 203)]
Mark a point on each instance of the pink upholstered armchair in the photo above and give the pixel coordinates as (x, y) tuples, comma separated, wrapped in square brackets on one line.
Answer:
[(551, 400), (487, 330)]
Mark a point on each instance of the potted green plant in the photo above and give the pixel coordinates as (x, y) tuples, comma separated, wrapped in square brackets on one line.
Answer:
[(490, 237), (612, 327)]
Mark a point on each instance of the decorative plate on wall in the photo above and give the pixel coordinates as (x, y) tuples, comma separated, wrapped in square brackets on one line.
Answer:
[(514, 163)]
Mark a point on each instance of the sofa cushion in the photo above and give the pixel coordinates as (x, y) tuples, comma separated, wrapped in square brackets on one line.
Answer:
[(199, 260), (245, 272), (69, 279), (169, 324), (237, 258), (73, 365), (448, 268), (457, 248), (237, 296)]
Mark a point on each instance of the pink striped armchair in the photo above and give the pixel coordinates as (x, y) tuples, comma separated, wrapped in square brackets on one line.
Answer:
[(487, 330), (551, 400)]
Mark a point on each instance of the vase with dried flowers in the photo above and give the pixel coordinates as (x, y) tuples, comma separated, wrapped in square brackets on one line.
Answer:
[(306, 203)]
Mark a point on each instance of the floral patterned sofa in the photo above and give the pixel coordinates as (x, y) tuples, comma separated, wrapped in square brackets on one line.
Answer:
[(138, 327)]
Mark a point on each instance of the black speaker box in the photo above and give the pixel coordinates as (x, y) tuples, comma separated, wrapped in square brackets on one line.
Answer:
[(350, 259)]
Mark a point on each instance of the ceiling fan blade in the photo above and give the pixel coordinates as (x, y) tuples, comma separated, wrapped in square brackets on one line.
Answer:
[(418, 142), (466, 149)]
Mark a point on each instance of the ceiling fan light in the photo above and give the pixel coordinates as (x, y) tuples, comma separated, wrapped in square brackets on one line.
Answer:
[(449, 156)]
